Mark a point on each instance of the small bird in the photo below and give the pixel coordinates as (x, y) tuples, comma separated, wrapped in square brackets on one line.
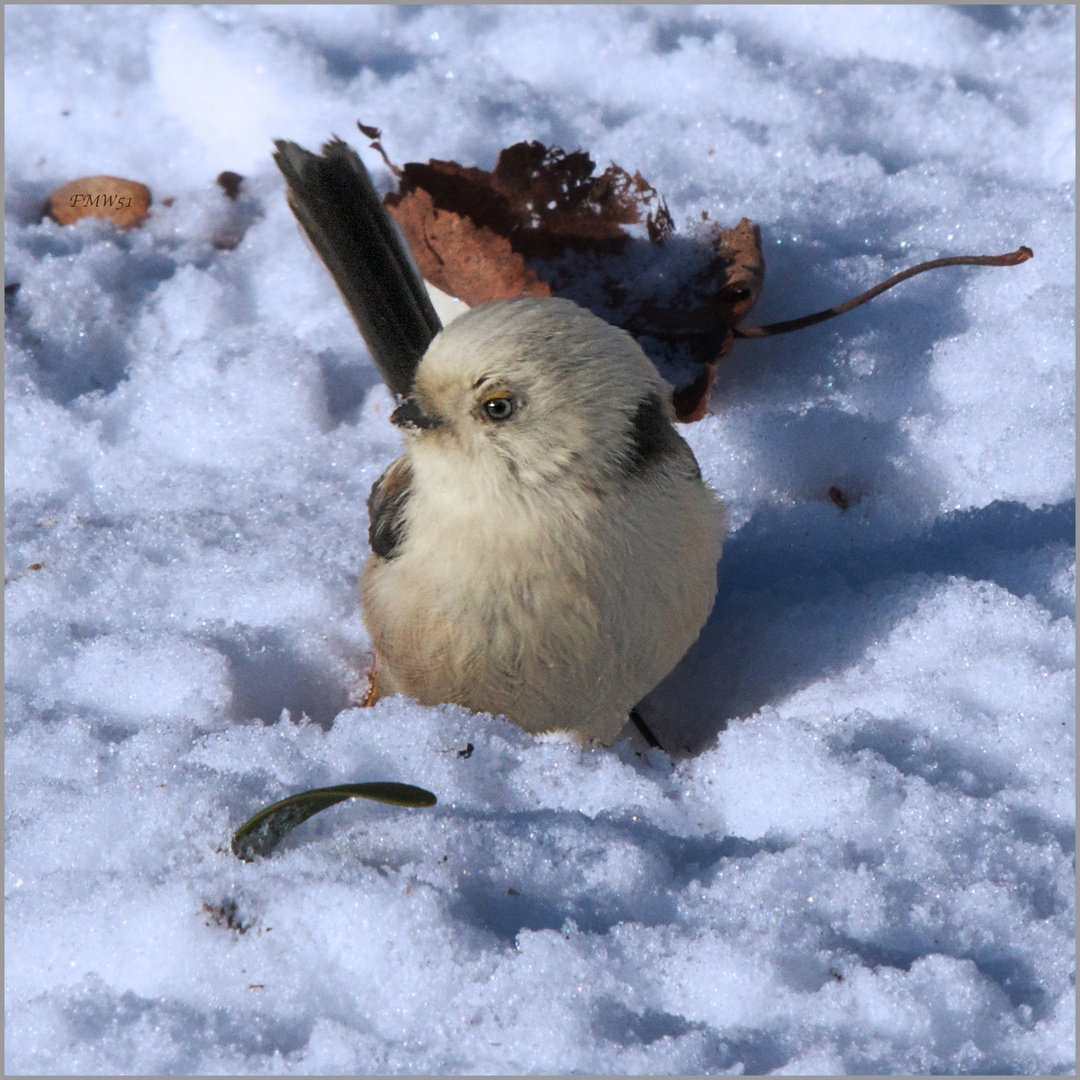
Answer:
[(545, 548)]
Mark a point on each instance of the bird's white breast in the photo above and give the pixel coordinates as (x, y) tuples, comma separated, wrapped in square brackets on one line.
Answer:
[(559, 608)]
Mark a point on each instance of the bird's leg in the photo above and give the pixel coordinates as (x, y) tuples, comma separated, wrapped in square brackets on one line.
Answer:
[(646, 731), (373, 691)]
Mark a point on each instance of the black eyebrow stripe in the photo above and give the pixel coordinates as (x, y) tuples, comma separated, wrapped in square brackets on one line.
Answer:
[(479, 382), (651, 438)]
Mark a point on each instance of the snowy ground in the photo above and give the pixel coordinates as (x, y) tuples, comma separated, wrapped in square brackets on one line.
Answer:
[(869, 869)]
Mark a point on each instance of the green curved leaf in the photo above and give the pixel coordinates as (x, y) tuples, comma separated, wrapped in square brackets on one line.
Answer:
[(262, 833)]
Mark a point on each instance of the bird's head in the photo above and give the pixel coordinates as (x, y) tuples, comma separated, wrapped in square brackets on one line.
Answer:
[(540, 388)]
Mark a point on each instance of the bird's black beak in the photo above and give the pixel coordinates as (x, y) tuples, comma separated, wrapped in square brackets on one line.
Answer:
[(409, 414)]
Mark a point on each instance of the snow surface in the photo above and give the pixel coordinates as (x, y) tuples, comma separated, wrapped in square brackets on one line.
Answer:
[(866, 863)]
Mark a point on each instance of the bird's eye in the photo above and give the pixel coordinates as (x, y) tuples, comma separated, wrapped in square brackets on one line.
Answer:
[(499, 408)]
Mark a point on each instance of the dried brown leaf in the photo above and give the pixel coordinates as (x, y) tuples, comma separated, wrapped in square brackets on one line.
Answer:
[(466, 260), (474, 229), (540, 198), (691, 401), (541, 224), (524, 228), (230, 183)]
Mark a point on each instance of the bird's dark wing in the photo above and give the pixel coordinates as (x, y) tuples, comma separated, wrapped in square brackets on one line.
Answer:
[(335, 201), (386, 509)]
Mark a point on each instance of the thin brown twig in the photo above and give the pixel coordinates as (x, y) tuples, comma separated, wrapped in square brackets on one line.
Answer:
[(376, 134), (1013, 258)]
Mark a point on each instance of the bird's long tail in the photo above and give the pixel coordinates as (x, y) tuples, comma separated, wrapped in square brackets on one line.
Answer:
[(335, 201)]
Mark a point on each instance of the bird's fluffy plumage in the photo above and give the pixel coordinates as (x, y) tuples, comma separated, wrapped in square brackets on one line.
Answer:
[(553, 563)]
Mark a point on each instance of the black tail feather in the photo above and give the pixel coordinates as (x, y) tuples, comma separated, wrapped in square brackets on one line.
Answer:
[(335, 201)]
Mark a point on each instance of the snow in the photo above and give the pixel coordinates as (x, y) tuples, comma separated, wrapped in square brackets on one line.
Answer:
[(860, 858)]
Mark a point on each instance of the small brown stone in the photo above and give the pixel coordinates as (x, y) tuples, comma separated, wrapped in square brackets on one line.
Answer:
[(125, 202), (230, 183)]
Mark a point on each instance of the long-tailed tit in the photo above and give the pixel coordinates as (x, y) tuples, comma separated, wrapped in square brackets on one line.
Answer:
[(545, 547)]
